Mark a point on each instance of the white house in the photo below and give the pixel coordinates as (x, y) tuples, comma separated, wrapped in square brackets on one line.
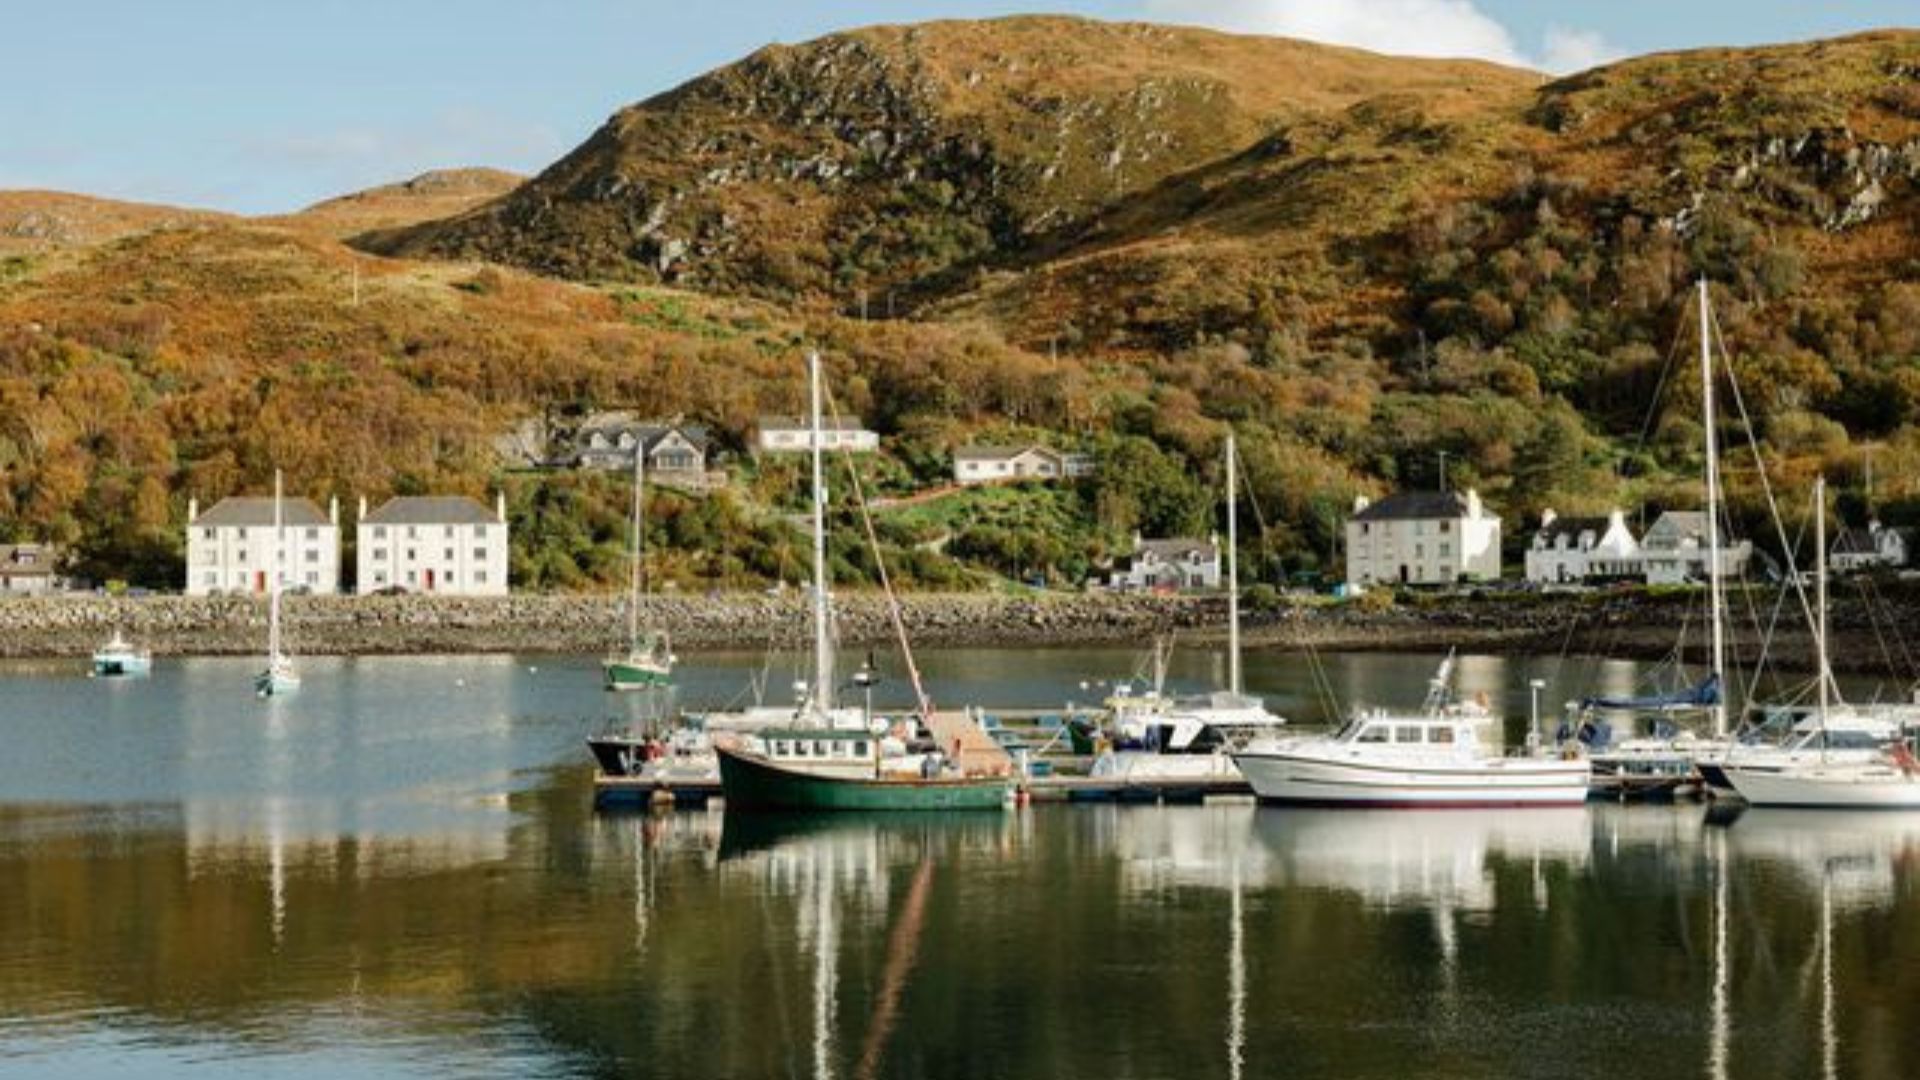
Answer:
[(447, 545), (233, 547), (784, 434), (1583, 549), (987, 464), (1422, 538), (1674, 550), (30, 570), (1863, 549), (1170, 564)]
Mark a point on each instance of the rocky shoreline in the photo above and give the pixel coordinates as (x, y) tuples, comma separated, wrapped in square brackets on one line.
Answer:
[(1631, 625)]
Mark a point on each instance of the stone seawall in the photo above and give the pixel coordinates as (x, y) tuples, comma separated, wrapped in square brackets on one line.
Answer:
[(1628, 626)]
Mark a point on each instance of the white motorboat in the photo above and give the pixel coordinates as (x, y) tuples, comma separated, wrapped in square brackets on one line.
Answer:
[(119, 658), (1432, 758)]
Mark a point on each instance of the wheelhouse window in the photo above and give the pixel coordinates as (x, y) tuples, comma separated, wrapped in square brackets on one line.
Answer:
[(1374, 733), (1440, 735), (1406, 733)]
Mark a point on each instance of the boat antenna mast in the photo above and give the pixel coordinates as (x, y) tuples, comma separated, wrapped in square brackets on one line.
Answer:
[(636, 574)]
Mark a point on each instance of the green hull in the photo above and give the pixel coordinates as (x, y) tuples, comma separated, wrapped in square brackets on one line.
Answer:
[(749, 783), (624, 676)]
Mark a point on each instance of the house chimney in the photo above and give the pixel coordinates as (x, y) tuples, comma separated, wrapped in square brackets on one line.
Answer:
[(193, 509), (1361, 502), (500, 505), (1548, 517), (363, 510), (1473, 503), (333, 511)]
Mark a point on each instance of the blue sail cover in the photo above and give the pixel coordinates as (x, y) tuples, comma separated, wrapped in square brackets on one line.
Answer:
[(1707, 693)]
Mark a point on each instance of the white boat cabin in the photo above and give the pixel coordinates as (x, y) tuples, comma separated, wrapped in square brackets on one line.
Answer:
[(1451, 733)]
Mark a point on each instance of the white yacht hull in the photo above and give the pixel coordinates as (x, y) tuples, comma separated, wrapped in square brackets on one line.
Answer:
[(1279, 776), (1854, 787)]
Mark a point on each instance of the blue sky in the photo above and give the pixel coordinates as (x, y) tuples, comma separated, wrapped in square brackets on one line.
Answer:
[(261, 106)]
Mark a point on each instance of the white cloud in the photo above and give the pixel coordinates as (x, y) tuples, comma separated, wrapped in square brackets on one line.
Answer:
[(1438, 28), (1567, 50)]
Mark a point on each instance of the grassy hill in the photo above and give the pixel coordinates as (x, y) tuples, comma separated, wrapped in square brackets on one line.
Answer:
[(1114, 236)]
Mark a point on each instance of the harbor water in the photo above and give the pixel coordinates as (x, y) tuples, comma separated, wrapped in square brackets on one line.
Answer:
[(397, 872)]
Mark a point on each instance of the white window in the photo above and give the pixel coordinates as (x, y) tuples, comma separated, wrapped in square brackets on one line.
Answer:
[(479, 577), (211, 577), (313, 554), (379, 577), (479, 554), (479, 532), (313, 532), (313, 577), (206, 534), (412, 578), (379, 532), (411, 534), (449, 531)]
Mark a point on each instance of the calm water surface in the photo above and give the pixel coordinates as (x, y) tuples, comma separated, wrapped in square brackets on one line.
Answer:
[(397, 873)]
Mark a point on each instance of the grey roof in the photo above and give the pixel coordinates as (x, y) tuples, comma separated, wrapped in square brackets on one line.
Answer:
[(650, 434), (258, 510), (1411, 505), (1856, 542), (1000, 453), (431, 510), (1174, 548), (28, 560), (830, 423), (1574, 526)]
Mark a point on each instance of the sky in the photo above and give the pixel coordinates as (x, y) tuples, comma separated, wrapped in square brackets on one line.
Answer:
[(264, 106)]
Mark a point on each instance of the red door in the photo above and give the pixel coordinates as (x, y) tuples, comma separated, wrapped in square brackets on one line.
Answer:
[(429, 580), (259, 581)]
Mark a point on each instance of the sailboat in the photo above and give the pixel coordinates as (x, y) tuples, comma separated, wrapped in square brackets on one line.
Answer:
[(1664, 763), (818, 762), (649, 658), (1181, 739), (279, 677), (1887, 778), (118, 657)]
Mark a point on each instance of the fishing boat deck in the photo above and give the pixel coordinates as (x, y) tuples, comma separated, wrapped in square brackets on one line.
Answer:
[(979, 754)]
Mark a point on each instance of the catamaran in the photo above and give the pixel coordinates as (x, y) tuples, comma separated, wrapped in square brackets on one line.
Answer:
[(279, 676), (648, 661)]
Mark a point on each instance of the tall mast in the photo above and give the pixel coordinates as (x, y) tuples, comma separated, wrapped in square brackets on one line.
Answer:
[(1233, 571), (822, 646), (639, 542), (1820, 576), (1714, 598), (273, 575)]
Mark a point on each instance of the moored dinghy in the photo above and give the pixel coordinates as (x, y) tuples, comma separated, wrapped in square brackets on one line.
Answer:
[(119, 658)]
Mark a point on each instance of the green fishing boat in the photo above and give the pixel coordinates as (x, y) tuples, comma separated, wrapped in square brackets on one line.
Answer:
[(814, 763), (848, 778)]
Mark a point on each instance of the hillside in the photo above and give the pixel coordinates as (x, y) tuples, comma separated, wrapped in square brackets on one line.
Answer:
[(430, 196), (39, 222), (891, 157), (1114, 237)]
